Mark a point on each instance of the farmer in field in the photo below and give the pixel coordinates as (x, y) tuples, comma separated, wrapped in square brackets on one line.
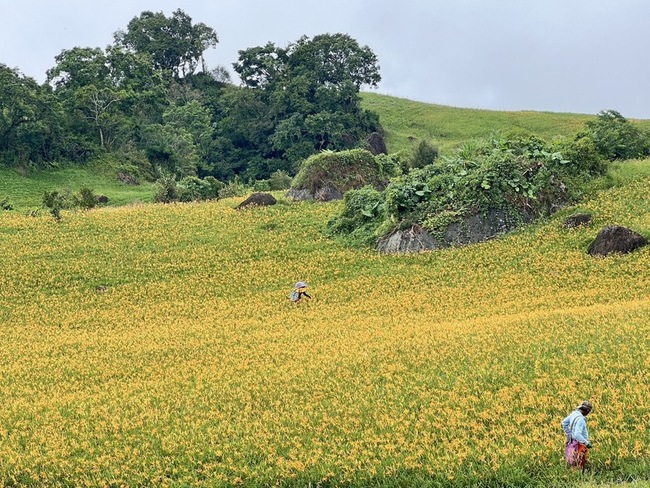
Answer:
[(577, 442), (299, 290)]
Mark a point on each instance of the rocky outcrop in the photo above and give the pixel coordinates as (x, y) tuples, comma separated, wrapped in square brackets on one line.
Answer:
[(376, 144), (616, 239), (469, 230), (258, 199), (324, 194), (415, 239), (480, 227)]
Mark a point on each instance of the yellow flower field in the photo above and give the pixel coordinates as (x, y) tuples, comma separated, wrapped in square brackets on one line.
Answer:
[(155, 345)]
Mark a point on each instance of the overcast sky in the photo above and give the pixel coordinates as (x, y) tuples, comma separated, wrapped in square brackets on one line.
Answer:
[(578, 56)]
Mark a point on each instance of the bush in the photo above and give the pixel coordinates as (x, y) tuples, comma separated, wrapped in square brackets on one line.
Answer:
[(193, 188), (584, 157), (189, 189), (616, 137), (5, 205), (215, 186), (56, 201), (279, 180), (423, 155), (166, 189), (86, 198), (261, 185), (234, 188), (362, 213), (393, 165)]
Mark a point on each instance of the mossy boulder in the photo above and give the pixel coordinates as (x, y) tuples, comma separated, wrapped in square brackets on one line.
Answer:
[(328, 175)]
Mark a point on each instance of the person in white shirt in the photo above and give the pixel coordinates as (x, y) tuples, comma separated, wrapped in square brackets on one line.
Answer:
[(575, 427)]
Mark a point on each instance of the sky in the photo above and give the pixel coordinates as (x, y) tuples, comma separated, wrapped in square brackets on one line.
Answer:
[(577, 56)]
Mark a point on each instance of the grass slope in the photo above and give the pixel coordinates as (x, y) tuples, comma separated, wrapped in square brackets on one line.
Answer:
[(407, 122), (25, 190), (192, 368)]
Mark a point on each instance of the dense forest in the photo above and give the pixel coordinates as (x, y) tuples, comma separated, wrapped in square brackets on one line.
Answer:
[(149, 103)]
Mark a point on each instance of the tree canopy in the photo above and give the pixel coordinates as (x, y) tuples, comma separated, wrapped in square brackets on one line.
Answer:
[(150, 98), (174, 44)]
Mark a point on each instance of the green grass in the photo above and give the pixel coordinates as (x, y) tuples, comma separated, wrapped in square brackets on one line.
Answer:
[(407, 122), (24, 190)]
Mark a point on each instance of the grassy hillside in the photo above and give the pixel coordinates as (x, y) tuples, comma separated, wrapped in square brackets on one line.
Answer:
[(407, 122), (155, 345), (24, 190)]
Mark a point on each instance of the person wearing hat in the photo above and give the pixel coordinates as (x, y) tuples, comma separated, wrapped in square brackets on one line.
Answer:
[(299, 290), (575, 427)]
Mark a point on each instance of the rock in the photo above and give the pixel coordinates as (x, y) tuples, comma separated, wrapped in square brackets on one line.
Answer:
[(324, 194), (327, 194), (470, 229), (258, 199), (480, 227), (299, 195), (376, 144), (616, 239), (576, 220), (415, 239)]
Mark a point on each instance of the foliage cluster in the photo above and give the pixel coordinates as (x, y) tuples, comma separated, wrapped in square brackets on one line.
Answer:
[(616, 137), (188, 189), (5, 204), (58, 200), (150, 97), (525, 176)]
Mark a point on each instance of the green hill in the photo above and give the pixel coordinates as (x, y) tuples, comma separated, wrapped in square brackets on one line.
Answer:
[(406, 121)]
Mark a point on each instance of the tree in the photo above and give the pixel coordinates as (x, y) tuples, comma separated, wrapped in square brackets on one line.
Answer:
[(335, 59), (30, 116), (174, 44), (310, 91), (79, 67)]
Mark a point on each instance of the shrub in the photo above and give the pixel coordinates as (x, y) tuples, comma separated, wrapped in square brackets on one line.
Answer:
[(5, 205), (584, 156), (423, 155), (279, 180), (166, 189), (616, 137), (215, 186), (361, 215), (192, 188), (393, 165), (261, 185), (86, 198), (234, 188), (56, 201)]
